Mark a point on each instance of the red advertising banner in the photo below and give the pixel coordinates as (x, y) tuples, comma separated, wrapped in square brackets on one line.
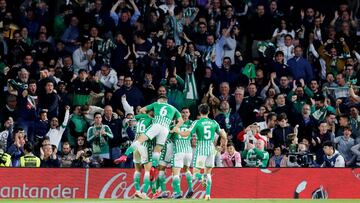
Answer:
[(227, 183), (41, 183)]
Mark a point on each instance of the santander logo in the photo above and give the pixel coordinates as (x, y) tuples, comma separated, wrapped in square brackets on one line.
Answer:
[(123, 188)]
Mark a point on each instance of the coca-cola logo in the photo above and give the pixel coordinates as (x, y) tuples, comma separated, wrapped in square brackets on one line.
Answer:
[(124, 189), (356, 173)]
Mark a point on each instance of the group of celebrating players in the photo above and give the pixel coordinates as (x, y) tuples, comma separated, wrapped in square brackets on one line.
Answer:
[(163, 136)]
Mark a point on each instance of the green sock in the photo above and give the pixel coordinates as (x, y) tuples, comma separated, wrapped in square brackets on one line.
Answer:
[(132, 148), (176, 184), (155, 159), (153, 186), (162, 180), (137, 181), (208, 184), (146, 181), (189, 180)]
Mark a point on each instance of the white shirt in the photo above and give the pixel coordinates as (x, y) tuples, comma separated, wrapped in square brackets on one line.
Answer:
[(55, 134)]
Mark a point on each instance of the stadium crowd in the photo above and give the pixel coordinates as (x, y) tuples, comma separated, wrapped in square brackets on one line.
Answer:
[(281, 78)]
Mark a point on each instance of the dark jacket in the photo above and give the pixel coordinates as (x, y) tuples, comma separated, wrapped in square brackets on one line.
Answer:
[(115, 126), (50, 163), (280, 135)]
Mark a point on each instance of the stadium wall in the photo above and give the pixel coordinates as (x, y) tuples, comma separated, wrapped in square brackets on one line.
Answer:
[(227, 183)]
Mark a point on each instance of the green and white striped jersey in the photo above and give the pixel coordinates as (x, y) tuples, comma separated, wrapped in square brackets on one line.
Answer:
[(143, 122), (205, 130), (164, 113), (183, 144)]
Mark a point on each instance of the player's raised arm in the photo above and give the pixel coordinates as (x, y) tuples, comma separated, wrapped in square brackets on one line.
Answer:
[(223, 137)]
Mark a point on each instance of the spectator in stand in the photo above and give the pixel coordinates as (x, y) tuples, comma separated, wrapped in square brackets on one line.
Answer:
[(299, 66), (175, 90), (77, 126), (107, 77), (10, 109), (287, 48), (281, 131), (71, 35), (278, 160), (41, 126), (49, 101), (281, 106), (83, 57), (260, 28), (307, 123), (231, 158), (343, 144), (67, 156), (6, 134), (282, 30), (256, 156), (48, 157), (16, 150), (279, 66), (250, 103), (56, 132), (133, 95), (99, 135), (332, 158), (229, 121), (82, 87), (334, 63), (299, 96), (319, 138), (110, 119), (284, 85)]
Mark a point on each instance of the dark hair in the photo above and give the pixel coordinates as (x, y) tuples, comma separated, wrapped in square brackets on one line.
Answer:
[(140, 34), (282, 116), (204, 109), (328, 144), (229, 144), (177, 10), (32, 81), (288, 35), (348, 128), (28, 147), (97, 113), (183, 108), (279, 53), (270, 115)]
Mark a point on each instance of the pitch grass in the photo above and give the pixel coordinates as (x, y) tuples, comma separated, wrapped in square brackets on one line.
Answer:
[(181, 201)]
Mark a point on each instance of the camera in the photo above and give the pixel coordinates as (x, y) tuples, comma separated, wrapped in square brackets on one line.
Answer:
[(87, 153), (303, 160)]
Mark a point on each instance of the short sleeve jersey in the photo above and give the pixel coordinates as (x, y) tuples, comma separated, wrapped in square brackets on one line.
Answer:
[(164, 113), (205, 130)]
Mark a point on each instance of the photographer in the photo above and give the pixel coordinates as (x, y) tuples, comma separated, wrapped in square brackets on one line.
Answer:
[(67, 157), (84, 159), (302, 158)]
